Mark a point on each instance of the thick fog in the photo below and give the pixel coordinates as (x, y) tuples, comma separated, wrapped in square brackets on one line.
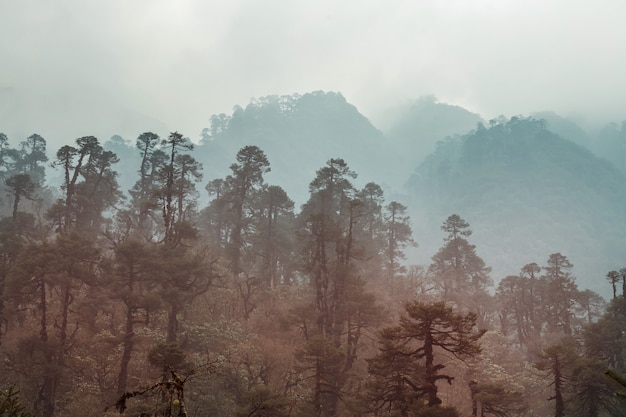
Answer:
[(294, 208), (71, 68)]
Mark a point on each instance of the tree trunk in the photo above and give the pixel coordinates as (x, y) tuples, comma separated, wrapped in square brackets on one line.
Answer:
[(16, 203), (47, 392), (558, 394), (128, 342), (172, 323), (431, 378)]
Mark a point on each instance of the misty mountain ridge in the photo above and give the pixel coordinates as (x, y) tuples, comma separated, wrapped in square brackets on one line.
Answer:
[(417, 127), (526, 191), (608, 141), (299, 133)]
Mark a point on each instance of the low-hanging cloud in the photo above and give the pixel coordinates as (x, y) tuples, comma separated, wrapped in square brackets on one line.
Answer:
[(78, 67)]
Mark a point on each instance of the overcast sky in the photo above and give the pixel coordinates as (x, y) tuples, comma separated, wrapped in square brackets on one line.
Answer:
[(69, 68)]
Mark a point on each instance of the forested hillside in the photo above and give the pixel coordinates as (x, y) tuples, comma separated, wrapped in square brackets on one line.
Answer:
[(529, 192), (607, 141), (201, 288), (299, 133), (610, 143)]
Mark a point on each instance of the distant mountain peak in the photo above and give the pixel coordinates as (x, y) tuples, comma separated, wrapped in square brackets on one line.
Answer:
[(527, 191)]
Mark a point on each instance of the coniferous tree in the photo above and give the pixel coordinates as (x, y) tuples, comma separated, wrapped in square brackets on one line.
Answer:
[(396, 377), (398, 231), (20, 186), (131, 282), (173, 184), (85, 201), (623, 275), (560, 292), (215, 215), (332, 228), (241, 221), (520, 299), (557, 361), (276, 216), (10, 404), (9, 158), (245, 180), (605, 339), (32, 157), (593, 394), (495, 400), (426, 331), (14, 235), (143, 193), (459, 274), (50, 277), (613, 278)]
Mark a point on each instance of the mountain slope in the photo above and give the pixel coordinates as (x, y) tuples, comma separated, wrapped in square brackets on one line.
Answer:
[(610, 143), (417, 129), (298, 133), (527, 193)]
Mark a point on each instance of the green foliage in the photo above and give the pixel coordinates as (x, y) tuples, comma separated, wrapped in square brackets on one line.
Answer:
[(559, 291), (457, 272), (20, 186), (408, 366), (89, 185), (593, 393), (395, 376), (173, 186), (558, 361), (612, 373), (10, 405), (321, 361), (333, 230), (396, 226)]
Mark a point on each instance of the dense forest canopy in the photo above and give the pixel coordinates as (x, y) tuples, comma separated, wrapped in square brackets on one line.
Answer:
[(269, 271)]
